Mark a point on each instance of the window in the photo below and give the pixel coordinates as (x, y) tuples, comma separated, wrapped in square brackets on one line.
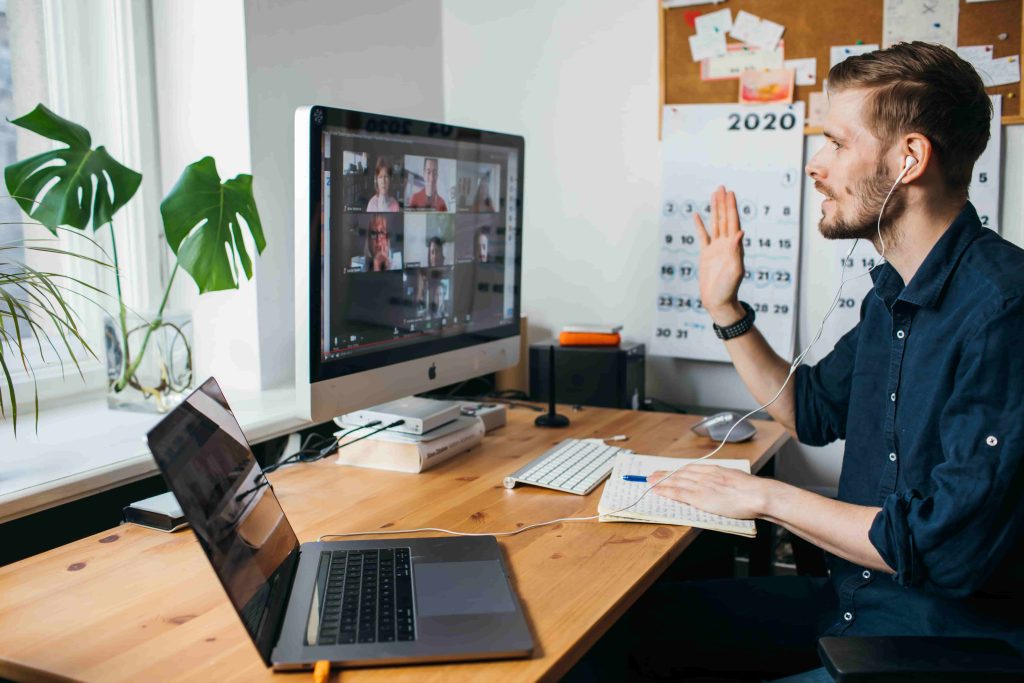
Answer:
[(90, 63), (11, 231)]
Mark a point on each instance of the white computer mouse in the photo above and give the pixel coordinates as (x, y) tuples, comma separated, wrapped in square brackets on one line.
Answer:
[(718, 425)]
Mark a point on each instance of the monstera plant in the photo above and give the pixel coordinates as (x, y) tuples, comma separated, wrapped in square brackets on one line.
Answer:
[(80, 187)]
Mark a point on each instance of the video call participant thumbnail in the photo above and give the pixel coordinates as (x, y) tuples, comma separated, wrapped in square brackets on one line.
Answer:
[(429, 197), (478, 239), (479, 187), (382, 199), (377, 233), (429, 293), (429, 240)]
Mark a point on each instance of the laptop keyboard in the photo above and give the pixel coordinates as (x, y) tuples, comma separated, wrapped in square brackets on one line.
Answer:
[(368, 597)]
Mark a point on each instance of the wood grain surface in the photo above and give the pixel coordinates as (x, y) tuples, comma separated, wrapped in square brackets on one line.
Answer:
[(133, 604)]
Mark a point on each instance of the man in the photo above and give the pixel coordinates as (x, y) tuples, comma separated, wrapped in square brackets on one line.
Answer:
[(427, 198), (925, 537)]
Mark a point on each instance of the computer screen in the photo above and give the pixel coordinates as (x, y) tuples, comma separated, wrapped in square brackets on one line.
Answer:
[(414, 238)]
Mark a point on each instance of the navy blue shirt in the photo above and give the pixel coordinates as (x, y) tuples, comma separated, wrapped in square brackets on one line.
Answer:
[(928, 391)]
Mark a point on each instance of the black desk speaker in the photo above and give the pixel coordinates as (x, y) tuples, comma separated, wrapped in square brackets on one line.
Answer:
[(590, 375)]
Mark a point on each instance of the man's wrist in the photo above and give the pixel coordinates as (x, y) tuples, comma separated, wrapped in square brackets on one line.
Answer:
[(728, 314), (774, 500)]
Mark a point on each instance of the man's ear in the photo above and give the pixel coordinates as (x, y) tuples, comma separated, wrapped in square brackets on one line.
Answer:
[(920, 148)]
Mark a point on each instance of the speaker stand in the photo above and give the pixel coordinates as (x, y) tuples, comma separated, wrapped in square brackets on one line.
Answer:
[(551, 419)]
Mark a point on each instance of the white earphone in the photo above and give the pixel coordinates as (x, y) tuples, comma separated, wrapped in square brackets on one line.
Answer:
[(910, 161)]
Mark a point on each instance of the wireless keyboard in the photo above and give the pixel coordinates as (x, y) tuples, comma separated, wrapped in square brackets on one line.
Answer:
[(574, 466)]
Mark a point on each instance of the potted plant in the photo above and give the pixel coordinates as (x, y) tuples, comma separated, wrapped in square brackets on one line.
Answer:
[(78, 187)]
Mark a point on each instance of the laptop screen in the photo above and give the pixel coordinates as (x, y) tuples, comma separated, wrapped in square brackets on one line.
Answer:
[(211, 470)]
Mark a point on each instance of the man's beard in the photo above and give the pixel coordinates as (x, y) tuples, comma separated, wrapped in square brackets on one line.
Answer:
[(870, 194)]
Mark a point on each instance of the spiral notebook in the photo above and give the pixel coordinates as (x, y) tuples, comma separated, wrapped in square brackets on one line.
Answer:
[(655, 509)]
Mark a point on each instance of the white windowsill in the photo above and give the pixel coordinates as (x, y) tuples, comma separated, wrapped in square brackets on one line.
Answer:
[(84, 448)]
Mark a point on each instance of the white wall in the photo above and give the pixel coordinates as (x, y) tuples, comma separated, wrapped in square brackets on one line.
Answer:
[(382, 57), (579, 80)]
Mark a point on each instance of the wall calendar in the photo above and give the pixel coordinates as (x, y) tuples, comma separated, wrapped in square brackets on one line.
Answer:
[(757, 152)]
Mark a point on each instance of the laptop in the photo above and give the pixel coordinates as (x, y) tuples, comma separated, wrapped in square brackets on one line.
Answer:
[(354, 603)]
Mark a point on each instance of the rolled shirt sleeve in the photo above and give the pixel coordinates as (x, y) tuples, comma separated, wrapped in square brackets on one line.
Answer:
[(950, 535)]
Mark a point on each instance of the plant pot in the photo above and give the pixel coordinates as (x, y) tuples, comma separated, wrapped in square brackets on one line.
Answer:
[(163, 377)]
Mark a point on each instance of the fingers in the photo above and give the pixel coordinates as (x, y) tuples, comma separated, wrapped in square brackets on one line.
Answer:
[(702, 233), (715, 224), (732, 217)]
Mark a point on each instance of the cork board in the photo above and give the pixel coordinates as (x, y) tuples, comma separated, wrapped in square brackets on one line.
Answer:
[(813, 27)]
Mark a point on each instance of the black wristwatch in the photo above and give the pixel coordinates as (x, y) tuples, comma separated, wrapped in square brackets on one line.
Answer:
[(744, 325)]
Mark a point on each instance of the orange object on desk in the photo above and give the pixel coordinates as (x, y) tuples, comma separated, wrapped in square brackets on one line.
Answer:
[(588, 339)]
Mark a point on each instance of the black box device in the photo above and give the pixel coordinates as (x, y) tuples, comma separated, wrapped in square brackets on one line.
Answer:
[(608, 377)]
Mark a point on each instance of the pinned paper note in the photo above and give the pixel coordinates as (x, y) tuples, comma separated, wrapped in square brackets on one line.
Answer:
[(838, 53), (806, 70), (774, 86), (707, 45), (1002, 71), (714, 22), (740, 58), (975, 54), (745, 26), (931, 21), (767, 35)]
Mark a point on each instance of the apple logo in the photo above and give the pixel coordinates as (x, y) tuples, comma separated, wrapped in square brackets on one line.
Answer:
[(432, 372)]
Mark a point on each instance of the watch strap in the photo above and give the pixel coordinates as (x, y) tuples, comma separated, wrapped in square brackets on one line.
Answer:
[(742, 326)]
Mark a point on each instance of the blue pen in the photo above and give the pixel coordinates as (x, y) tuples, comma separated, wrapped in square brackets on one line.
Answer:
[(634, 477)]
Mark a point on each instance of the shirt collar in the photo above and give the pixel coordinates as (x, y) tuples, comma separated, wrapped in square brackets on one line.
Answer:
[(927, 284)]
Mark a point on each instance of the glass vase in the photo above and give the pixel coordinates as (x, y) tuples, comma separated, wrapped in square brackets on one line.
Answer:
[(161, 377)]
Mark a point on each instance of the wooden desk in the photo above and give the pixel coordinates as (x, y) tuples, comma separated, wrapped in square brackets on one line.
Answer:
[(133, 604)]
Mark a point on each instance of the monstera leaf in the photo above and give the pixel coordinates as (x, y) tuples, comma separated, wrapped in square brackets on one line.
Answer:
[(90, 185), (201, 221)]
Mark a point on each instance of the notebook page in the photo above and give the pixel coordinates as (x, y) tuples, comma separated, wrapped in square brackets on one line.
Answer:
[(654, 508)]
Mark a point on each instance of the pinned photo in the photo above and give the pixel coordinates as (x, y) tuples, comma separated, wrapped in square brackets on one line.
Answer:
[(772, 86)]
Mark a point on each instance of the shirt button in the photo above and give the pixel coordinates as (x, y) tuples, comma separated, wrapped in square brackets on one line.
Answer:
[(892, 397), (848, 616), (866, 574), (991, 440), (900, 334), (892, 456)]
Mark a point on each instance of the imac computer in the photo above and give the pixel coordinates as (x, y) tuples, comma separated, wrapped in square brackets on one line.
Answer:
[(407, 259)]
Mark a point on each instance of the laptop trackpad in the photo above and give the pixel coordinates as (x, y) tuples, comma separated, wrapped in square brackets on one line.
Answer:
[(473, 587)]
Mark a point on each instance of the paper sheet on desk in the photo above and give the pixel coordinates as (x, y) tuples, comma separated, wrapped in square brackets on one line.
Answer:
[(655, 509)]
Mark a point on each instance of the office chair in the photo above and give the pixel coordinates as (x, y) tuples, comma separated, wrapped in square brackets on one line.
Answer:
[(881, 659)]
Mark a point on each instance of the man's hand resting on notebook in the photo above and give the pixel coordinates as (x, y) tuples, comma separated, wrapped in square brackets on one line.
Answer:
[(840, 528), (714, 489)]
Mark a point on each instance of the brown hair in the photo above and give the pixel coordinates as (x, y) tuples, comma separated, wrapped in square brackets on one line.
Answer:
[(382, 163), (927, 89)]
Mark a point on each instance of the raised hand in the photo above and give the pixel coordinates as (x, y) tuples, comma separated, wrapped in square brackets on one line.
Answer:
[(721, 258)]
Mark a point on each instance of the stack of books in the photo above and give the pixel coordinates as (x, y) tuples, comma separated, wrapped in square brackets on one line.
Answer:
[(590, 335), (403, 452)]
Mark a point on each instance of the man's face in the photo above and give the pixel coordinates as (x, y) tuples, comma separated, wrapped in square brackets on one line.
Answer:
[(482, 248), (435, 255), (852, 172), (430, 173), (379, 238)]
